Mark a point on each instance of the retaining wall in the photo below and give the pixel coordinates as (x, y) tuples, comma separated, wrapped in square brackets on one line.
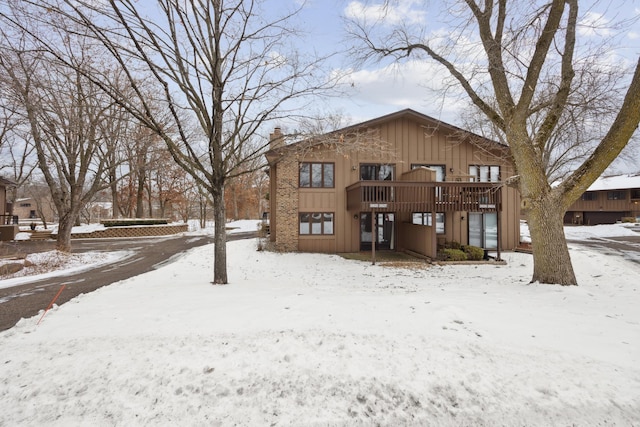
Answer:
[(136, 231)]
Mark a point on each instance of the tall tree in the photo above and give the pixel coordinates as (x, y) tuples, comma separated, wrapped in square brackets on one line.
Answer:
[(65, 113), (223, 69), (521, 64), (17, 159)]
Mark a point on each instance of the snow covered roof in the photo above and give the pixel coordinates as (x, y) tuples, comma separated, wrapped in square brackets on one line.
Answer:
[(616, 182)]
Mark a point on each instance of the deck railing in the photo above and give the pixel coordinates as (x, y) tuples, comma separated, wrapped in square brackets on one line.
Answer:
[(405, 196), (8, 219)]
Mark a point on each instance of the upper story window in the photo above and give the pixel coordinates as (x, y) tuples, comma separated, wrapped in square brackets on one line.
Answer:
[(482, 173), (589, 195), (377, 172), (616, 195), (440, 169), (635, 193), (317, 175)]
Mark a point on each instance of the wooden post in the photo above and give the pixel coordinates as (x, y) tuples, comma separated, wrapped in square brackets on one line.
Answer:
[(434, 234), (374, 231), (499, 231)]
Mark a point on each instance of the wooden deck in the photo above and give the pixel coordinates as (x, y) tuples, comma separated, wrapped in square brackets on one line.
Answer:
[(404, 196)]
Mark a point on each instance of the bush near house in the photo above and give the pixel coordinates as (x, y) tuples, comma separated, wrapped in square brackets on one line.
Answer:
[(454, 251), (448, 254), (451, 245), (474, 253)]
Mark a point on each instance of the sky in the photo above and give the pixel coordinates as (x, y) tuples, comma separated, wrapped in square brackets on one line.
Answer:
[(314, 339), (380, 89), (374, 89)]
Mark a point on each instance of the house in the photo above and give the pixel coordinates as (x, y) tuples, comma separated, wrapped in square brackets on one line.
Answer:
[(404, 181), (8, 222), (29, 210), (608, 200)]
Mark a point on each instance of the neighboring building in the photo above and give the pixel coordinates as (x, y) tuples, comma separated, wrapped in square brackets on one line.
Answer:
[(429, 182), (8, 222), (608, 200), (26, 209)]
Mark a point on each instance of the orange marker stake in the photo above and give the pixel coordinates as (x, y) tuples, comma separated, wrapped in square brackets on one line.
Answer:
[(51, 304)]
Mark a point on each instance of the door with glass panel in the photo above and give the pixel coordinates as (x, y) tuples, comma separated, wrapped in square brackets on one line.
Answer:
[(383, 228), (483, 230)]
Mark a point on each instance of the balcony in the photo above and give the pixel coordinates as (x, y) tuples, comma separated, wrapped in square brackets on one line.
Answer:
[(8, 219), (405, 196)]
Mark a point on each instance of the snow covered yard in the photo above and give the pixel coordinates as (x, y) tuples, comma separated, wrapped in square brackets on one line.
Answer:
[(308, 339)]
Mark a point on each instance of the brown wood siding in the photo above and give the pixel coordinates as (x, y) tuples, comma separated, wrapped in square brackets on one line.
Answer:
[(602, 210), (603, 204), (323, 244), (412, 142), (416, 238)]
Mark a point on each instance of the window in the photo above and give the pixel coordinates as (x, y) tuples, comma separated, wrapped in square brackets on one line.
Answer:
[(316, 223), (635, 193), (484, 173), (377, 172), (424, 218), (616, 195), (25, 205), (317, 175), (589, 195)]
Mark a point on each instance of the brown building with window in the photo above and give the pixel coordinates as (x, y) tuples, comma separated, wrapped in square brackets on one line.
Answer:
[(608, 200), (404, 181)]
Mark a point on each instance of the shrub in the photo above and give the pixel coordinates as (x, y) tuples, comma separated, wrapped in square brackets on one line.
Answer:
[(263, 232), (474, 253), (452, 255), (452, 245), (628, 219)]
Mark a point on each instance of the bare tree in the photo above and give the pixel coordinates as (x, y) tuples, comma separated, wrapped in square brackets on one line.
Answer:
[(17, 159), (222, 69), (526, 74), (65, 112)]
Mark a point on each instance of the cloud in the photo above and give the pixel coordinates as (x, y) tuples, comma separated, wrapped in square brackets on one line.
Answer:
[(420, 85), (394, 13), (594, 24)]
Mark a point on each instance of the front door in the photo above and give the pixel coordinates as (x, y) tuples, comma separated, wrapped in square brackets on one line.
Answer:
[(384, 231)]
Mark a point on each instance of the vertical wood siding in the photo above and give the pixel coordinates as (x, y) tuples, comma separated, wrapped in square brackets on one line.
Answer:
[(413, 141)]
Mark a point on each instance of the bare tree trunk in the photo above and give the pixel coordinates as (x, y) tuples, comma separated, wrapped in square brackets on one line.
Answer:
[(552, 260), (234, 198), (113, 186), (150, 199), (140, 195), (220, 239), (65, 225), (203, 208)]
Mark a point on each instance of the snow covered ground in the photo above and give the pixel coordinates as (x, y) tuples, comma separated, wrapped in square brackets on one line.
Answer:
[(309, 339)]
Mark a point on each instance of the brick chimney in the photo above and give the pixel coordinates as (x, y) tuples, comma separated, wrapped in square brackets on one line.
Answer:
[(276, 139)]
